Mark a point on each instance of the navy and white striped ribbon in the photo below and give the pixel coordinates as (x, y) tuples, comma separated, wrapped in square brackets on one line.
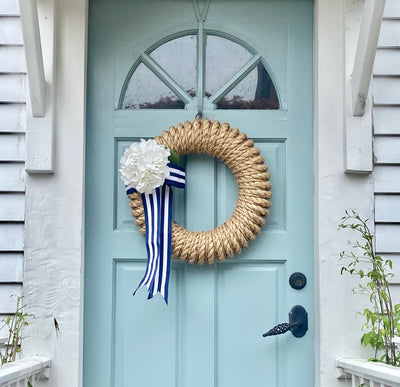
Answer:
[(158, 216)]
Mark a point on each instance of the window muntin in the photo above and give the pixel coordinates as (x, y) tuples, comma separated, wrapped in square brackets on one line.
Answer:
[(178, 58), (224, 58), (146, 91), (255, 91)]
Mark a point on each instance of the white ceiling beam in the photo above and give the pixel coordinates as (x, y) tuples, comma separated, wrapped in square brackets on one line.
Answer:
[(365, 54), (34, 56)]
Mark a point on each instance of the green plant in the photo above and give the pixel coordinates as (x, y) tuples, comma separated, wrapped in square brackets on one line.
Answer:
[(382, 320), (14, 325)]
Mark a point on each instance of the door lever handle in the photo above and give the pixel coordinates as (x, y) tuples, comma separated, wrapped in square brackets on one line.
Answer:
[(298, 323)]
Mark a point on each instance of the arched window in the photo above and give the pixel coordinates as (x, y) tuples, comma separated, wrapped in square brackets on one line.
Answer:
[(176, 74)]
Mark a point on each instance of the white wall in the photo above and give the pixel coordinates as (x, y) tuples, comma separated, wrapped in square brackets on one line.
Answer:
[(54, 214), (339, 329), (54, 209)]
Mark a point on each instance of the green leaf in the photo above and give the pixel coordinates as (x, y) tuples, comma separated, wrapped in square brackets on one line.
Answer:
[(374, 317), (366, 339), (382, 320), (173, 158)]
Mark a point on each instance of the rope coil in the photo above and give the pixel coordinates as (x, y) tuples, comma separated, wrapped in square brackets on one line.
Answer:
[(248, 166)]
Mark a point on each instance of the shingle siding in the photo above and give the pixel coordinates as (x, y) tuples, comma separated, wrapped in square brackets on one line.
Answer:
[(12, 155), (386, 122)]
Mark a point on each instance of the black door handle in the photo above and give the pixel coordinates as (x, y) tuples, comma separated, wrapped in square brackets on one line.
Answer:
[(298, 323)]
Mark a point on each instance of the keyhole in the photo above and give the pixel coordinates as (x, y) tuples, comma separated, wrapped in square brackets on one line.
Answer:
[(297, 280)]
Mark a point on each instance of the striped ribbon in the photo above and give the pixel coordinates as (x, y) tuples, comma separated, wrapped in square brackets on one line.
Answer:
[(158, 216)]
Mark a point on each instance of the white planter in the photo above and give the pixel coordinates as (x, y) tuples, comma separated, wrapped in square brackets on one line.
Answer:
[(19, 372), (359, 371)]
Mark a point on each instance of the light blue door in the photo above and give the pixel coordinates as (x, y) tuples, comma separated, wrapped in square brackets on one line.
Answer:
[(153, 64)]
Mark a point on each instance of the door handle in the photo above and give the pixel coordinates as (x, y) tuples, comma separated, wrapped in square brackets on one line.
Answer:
[(298, 323)]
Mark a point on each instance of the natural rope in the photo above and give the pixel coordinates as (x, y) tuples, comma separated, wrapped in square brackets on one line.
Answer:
[(240, 155)]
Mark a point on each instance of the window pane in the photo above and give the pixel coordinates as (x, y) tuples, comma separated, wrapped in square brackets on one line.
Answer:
[(178, 58), (256, 91), (146, 91), (224, 58)]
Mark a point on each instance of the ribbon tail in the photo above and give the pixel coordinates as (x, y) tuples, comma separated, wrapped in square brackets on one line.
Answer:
[(152, 207), (165, 241), (158, 218), (161, 278)]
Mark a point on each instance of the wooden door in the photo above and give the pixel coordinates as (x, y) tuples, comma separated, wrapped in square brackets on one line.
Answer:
[(152, 64)]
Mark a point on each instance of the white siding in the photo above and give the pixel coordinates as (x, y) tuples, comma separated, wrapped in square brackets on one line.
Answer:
[(387, 62), (392, 9), (12, 207), (11, 237), (387, 179), (387, 208), (6, 301), (386, 119), (11, 267), (12, 154), (396, 269), (386, 90), (12, 59), (10, 31), (12, 147), (390, 33), (12, 118), (13, 87), (9, 7), (12, 177), (386, 150), (387, 238)]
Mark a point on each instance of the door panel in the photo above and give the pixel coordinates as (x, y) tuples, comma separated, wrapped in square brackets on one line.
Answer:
[(210, 334), (198, 331)]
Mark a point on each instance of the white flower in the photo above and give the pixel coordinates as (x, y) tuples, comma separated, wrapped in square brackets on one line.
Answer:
[(144, 165)]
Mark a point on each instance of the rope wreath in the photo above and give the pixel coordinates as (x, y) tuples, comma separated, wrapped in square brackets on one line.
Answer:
[(248, 166)]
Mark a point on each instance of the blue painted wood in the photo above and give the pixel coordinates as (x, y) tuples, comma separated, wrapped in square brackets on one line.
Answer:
[(211, 332)]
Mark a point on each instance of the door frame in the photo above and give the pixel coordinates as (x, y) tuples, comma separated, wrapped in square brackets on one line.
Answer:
[(331, 71)]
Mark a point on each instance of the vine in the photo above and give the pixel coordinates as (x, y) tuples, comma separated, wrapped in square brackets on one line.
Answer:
[(382, 320), (14, 325)]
